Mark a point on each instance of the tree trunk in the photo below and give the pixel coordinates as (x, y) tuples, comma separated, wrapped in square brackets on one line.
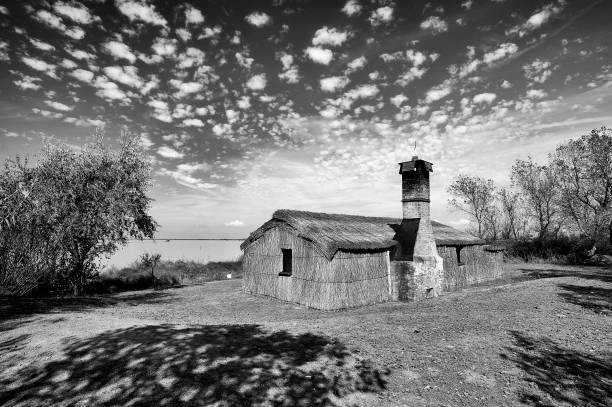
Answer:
[(78, 278)]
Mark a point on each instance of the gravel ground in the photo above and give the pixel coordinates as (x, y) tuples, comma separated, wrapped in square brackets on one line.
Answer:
[(542, 336)]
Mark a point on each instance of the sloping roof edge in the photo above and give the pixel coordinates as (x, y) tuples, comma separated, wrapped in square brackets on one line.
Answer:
[(333, 232)]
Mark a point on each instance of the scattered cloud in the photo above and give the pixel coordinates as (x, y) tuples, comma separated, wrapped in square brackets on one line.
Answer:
[(500, 52), (234, 223), (538, 70), (126, 75), (542, 16), (319, 55), (169, 152), (487, 98), (50, 19), (58, 106), (164, 46), (78, 13), (536, 94), (357, 64), (435, 24), (185, 88), (258, 19), (438, 93), (193, 122), (352, 8), (109, 90), (257, 82), (119, 50), (40, 65), (398, 100), (363, 92), (329, 36), (41, 45), (333, 83), (141, 11), (193, 15), (83, 75), (28, 82), (467, 4), (381, 15)]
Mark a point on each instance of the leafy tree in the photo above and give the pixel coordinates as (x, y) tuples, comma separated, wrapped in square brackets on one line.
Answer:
[(86, 203), (150, 261), (475, 196), (583, 169), (26, 252), (512, 223), (538, 186)]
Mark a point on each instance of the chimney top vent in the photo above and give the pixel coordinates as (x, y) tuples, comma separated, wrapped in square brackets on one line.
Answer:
[(414, 164)]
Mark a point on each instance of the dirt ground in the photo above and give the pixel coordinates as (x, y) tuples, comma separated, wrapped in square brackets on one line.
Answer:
[(542, 336)]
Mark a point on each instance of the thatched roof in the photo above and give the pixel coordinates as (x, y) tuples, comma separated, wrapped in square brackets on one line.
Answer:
[(333, 232)]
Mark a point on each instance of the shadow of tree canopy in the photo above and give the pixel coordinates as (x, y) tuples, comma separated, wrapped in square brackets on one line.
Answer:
[(546, 271), (561, 374), (596, 299), (18, 307), (166, 365)]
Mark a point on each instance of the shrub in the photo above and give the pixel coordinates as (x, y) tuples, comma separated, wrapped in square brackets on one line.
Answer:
[(167, 274), (563, 249)]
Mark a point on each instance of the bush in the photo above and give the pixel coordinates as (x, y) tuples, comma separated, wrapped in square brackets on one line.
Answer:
[(563, 249), (130, 279), (167, 274)]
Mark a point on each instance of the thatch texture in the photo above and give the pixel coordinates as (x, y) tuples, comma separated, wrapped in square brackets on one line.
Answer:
[(333, 232), (348, 280), (478, 265)]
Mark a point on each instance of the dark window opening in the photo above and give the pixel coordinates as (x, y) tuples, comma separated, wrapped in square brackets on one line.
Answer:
[(458, 250), (287, 262)]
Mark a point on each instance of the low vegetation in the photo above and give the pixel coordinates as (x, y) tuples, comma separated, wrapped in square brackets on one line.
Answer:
[(165, 273)]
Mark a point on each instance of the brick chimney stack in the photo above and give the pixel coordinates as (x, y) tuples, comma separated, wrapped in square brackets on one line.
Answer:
[(415, 202), (415, 188)]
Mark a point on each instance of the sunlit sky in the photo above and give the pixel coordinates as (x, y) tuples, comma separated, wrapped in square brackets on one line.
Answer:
[(247, 106)]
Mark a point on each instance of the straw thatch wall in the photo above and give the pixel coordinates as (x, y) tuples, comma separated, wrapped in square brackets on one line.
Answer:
[(351, 278), (479, 265)]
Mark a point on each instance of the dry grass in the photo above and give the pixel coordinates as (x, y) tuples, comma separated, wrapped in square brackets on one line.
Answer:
[(168, 273), (539, 337)]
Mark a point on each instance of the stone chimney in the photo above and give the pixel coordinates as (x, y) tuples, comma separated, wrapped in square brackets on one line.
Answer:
[(416, 271), (415, 203)]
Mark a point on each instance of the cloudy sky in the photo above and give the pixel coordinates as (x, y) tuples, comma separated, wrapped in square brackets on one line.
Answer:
[(248, 106)]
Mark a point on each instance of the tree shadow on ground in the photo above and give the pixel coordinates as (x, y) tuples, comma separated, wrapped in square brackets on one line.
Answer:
[(596, 299), (562, 375), (166, 365), (15, 307), (11, 348), (547, 271)]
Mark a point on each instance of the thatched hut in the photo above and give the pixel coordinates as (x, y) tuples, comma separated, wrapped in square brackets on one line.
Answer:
[(331, 261)]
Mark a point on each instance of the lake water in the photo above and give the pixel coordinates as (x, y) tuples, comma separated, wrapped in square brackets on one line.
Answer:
[(197, 250)]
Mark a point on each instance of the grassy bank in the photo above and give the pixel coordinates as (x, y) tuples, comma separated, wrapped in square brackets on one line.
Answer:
[(167, 273)]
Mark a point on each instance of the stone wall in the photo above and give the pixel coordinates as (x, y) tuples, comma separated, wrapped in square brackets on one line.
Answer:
[(417, 279)]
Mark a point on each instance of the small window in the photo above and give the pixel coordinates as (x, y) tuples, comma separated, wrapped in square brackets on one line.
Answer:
[(459, 261), (287, 262)]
